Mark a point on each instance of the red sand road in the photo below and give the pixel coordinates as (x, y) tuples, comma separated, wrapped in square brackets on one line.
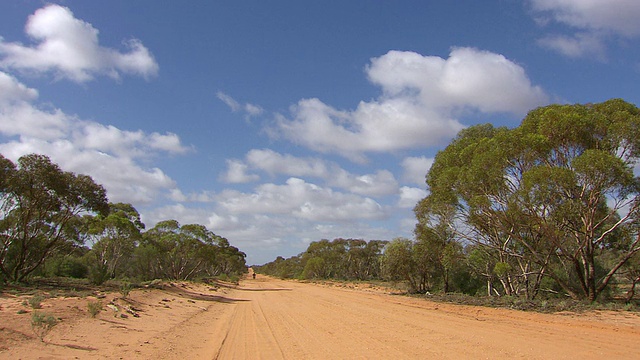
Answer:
[(301, 321), (268, 318)]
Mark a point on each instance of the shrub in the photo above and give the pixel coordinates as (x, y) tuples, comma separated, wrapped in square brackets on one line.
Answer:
[(125, 289), (98, 274), (36, 301), (94, 307), (42, 323), (66, 266)]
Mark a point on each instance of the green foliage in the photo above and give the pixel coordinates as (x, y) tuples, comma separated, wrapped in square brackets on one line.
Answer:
[(42, 323), (125, 289), (501, 269), (36, 301), (40, 207), (94, 307), (345, 259), (547, 199), (66, 266), (97, 274), (63, 211), (290, 268), (315, 269), (114, 239)]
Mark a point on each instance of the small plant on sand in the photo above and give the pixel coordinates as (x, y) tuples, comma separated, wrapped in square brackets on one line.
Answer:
[(125, 289), (42, 323), (94, 307), (36, 301)]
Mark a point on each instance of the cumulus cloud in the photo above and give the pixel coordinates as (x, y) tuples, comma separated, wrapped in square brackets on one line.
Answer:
[(69, 48), (12, 91), (301, 199), (416, 169), (593, 22), (421, 96), (275, 163), (380, 183), (108, 138), (237, 173), (409, 196), (110, 155)]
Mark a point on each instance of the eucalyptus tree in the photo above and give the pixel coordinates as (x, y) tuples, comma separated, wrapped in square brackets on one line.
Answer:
[(169, 250), (177, 249), (549, 197), (40, 210), (114, 237), (409, 261)]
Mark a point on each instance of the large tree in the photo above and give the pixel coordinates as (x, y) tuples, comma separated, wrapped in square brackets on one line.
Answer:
[(114, 239), (548, 198), (40, 209)]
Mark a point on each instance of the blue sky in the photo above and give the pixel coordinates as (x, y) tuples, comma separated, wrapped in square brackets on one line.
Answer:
[(278, 123)]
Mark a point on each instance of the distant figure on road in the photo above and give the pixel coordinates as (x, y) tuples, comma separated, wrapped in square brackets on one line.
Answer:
[(254, 275)]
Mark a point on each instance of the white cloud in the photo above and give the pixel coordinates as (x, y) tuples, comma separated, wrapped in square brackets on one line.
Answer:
[(107, 138), (409, 196), (469, 78), (124, 179), (11, 90), (69, 48), (421, 95), (231, 102), (578, 45), (381, 183), (237, 173), (594, 22), (110, 155), (301, 200), (618, 16), (275, 163), (416, 169), (250, 110)]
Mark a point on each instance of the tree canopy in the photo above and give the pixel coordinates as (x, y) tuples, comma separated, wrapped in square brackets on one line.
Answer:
[(49, 216), (40, 211), (548, 198)]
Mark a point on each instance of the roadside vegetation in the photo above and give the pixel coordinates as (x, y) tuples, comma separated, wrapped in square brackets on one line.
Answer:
[(545, 213), (56, 224)]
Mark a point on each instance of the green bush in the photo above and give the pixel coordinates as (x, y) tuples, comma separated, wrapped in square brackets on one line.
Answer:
[(42, 323), (125, 289), (98, 275), (66, 266), (36, 301), (94, 308)]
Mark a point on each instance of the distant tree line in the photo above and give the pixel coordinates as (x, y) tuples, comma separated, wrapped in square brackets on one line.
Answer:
[(57, 223), (549, 208), (347, 259)]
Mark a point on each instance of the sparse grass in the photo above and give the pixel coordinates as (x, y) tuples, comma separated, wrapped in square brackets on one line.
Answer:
[(550, 305), (36, 301), (42, 323), (94, 308)]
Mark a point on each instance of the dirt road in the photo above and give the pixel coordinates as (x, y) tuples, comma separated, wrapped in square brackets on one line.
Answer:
[(288, 320), (266, 318)]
